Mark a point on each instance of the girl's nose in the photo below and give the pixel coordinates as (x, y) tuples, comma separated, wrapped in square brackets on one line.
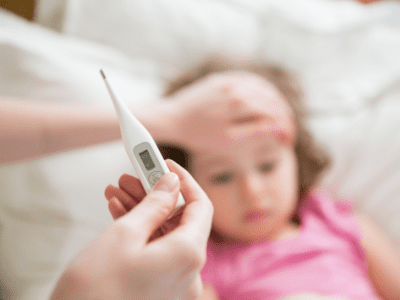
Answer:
[(252, 189)]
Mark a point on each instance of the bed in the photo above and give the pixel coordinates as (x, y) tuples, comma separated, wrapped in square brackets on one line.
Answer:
[(346, 55)]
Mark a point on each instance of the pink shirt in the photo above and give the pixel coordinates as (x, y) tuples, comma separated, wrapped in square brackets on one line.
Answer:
[(325, 257)]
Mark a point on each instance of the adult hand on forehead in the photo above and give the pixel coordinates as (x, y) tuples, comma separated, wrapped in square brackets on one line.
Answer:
[(210, 112)]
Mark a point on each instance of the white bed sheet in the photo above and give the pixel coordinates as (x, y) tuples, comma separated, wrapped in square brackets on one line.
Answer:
[(345, 53)]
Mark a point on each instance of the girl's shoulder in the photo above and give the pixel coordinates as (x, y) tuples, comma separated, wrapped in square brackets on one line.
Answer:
[(334, 212), (324, 214)]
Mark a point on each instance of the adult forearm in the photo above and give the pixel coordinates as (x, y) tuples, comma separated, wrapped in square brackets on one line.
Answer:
[(161, 119), (31, 129)]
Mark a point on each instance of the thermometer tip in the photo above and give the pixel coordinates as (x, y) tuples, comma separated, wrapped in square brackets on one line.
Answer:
[(102, 74)]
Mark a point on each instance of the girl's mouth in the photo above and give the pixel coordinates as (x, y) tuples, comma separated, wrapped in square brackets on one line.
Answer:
[(255, 215)]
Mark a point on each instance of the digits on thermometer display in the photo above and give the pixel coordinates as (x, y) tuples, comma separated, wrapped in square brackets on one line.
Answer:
[(140, 147)]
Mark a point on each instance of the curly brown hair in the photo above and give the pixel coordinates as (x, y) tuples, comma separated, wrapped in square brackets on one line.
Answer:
[(312, 159)]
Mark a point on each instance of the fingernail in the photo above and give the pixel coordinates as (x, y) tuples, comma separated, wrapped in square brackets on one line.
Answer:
[(114, 199), (167, 183)]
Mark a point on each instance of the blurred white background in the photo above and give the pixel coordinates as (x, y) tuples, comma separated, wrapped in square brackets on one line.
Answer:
[(345, 53)]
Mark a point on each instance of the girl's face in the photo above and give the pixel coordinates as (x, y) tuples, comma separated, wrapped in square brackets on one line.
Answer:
[(253, 187), (252, 183)]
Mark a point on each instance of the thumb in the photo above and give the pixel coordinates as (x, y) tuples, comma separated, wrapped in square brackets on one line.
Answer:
[(155, 208)]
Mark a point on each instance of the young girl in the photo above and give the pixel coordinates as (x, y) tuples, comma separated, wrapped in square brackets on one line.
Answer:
[(275, 234)]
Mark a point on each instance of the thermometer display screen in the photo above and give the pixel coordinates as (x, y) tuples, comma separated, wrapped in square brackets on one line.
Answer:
[(147, 161)]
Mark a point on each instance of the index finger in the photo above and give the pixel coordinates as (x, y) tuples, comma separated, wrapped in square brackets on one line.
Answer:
[(197, 215)]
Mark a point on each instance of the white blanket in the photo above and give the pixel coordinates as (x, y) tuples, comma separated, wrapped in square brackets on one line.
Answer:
[(345, 53)]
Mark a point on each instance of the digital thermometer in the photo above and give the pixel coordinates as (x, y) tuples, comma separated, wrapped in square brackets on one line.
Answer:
[(140, 146)]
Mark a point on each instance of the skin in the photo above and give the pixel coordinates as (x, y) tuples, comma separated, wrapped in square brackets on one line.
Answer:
[(31, 130), (383, 259), (228, 106), (128, 261), (248, 178), (245, 187)]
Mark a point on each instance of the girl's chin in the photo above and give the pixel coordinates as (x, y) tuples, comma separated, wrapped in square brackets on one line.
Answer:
[(255, 237)]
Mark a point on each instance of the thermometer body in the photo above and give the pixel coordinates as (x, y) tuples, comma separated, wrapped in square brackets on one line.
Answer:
[(140, 147)]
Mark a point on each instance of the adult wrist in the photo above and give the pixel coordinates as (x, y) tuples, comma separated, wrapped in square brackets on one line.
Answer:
[(70, 285), (162, 122)]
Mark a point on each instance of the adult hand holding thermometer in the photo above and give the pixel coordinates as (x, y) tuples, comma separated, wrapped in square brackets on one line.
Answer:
[(140, 146)]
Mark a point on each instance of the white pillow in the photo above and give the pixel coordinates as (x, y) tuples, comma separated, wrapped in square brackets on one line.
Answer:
[(365, 147), (176, 33), (343, 50)]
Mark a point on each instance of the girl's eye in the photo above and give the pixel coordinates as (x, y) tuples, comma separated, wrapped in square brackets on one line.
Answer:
[(267, 167), (221, 178)]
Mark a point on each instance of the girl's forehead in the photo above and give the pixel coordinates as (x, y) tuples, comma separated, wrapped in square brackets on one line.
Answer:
[(237, 150)]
